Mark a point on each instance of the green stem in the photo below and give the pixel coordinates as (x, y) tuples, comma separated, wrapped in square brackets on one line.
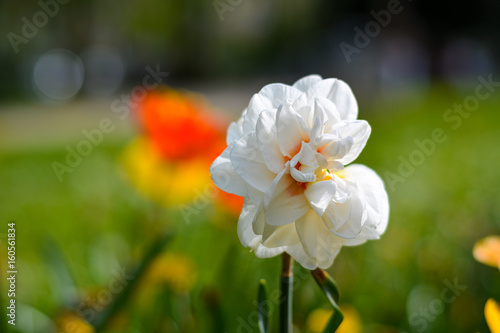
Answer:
[(286, 294)]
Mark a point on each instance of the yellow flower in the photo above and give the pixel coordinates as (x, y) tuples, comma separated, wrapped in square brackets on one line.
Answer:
[(163, 181), (72, 323), (487, 251), (318, 319), (177, 271), (492, 315)]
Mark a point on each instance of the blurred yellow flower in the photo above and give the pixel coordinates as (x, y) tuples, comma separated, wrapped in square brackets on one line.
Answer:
[(492, 315), (162, 181), (177, 271), (318, 319), (487, 251), (72, 323)]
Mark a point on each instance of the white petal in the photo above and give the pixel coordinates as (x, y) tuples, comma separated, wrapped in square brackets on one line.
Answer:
[(332, 146), (268, 252), (320, 195), (346, 219), (268, 142), (359, 131), (284, 235), (372, 190), (308, 164), (235, 130), (317, 240), (225, 176), (339, 93), (318, 123), (306, 82), (249, 163), (291, 130), (269, 98), (343, 192), (284, 201), (302, 177), (249, 213), (306, 261), (330, 110)]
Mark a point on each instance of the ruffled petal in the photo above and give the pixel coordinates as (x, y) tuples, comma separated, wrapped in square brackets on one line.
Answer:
[(249, 214), (235, 130), (268, 142), (307, 82), (284, 202), (339, 93), (284, 235), (320, 195), (249, 163), (291, 130), (347, 219), (318, 242), (371, 189), (269, 98), (358, 131), (225, 176), (305, 171)]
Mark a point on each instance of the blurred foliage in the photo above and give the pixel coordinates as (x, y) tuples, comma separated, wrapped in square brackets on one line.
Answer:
[(99, 223)]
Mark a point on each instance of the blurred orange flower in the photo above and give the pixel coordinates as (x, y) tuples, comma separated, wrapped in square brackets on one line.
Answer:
[(182, 135), (181, 125), (487, 251)]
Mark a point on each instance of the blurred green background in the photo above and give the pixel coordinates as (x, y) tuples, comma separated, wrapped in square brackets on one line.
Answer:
[(73, 236)]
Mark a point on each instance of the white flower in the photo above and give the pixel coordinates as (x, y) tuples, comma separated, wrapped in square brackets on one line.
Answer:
[(286, 157)]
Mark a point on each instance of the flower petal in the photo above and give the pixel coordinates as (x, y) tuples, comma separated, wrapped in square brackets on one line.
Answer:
[(308, 164), (320, 195), (330, 110), (359, 131), (305, 260), (268, 142), (307, 82), (291, 130), (334, 148), (247, 160), (249, 214), (284, 201), (284, 235), (346, 219), (317, 241), (225, 176), (268, 98), (235, 130), (339, 93), (371, 189)]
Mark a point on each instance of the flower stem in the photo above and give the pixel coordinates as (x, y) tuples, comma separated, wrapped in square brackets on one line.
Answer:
[(286, 294)]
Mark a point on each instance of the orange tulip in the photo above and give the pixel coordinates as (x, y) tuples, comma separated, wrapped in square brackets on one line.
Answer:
[(181, 126), (182, 136)]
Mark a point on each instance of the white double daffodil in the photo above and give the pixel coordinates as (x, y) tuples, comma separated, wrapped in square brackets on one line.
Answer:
[(287, 157)]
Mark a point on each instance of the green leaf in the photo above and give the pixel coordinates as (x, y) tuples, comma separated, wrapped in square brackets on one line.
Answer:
[(328, 287), (334, 322), (124, 296), (262, 309)]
